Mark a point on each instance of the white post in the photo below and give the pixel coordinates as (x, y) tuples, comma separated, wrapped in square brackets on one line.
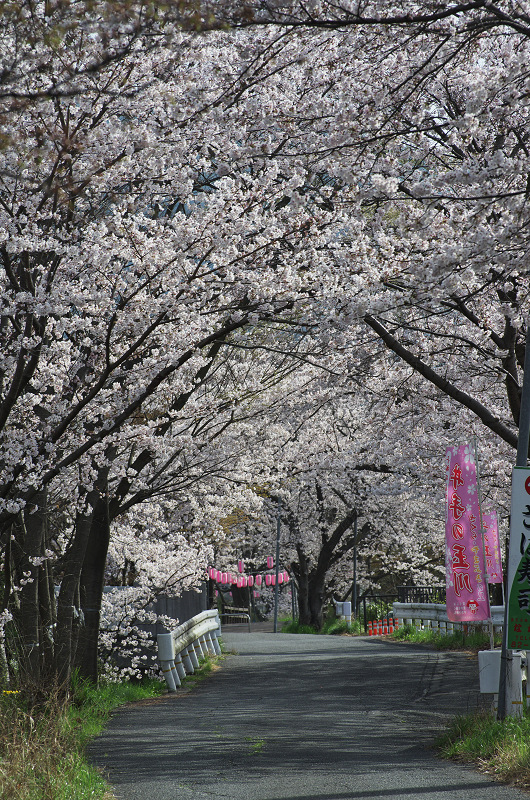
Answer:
[(186, 660), (215, 638), (193, 656), (170, 675), (514, 685), (198, 648), (179, 666)]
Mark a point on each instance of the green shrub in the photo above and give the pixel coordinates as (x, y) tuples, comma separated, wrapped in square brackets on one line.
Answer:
[(457, 640), (331, 626)]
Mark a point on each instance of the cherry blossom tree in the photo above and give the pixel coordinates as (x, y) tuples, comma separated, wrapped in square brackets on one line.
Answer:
[(168, 197), (144, 225)]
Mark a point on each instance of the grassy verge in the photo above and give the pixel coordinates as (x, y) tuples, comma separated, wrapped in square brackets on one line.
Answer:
[(458, 640), (502, 749), (333, 627), (42, 750)]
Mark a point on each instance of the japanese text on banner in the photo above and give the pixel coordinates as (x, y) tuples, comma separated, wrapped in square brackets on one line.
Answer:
[(518, 634), (467, 596), (492, 547)]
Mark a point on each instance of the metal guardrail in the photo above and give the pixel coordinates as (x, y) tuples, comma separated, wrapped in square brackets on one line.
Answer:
[(425, 614), (421, 594), (179, 651), (230, 616)]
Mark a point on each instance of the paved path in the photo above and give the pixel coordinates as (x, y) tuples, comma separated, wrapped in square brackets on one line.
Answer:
[(296, 717)]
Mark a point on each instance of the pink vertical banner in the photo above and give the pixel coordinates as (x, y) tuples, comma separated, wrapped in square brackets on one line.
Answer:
[(492, 547), (467, 595)]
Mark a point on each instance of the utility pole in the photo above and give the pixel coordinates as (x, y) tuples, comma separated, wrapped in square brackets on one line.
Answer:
[(354, 587), (522, 460), (277, 566)]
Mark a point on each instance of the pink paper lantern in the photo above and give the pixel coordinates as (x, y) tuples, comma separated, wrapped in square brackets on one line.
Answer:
[(280, 577), (245, 582), (233, 580), (212, 573), (268, 579), (224, 577), (286, 577), (258, 580), (240, 566), (239, 583), (270, 562), (256, 594), (273, 580), (250, 581)]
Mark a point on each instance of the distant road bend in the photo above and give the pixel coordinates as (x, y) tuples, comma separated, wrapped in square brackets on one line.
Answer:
[(296, 717)]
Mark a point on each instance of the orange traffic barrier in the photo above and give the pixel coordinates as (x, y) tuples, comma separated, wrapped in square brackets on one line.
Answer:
[(382, 627)]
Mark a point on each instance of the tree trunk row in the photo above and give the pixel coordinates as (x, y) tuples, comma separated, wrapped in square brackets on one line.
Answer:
[(56, 614)]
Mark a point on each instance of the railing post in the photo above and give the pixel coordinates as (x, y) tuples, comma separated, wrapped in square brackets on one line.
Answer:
[(179, 666), (187, 660)]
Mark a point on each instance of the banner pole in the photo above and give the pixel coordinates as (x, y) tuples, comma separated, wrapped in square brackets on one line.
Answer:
[(522, 460), (484, 563)]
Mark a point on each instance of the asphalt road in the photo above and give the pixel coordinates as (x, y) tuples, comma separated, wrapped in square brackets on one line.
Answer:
[(295, 717)]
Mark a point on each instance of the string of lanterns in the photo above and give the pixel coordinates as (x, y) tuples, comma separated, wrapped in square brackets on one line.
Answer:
[(244, 581)]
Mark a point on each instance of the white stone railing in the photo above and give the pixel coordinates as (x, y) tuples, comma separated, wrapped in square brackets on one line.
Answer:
[(434, 615), (179, 651)]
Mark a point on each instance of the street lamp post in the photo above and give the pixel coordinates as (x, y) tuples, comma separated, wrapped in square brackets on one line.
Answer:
[(277, 567)]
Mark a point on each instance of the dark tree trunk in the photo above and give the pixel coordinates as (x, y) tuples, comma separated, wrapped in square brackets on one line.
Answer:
[(30, 536), (312, 581), (311, 601), (73, 564), (301, 571), (316, 601), (91, 587), (240, 596), (48, 617)]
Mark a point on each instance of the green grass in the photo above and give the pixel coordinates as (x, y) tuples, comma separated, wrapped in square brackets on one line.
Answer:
[(295, 627), (332, 626), (42, 749), (458, 640), (502, 749)]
